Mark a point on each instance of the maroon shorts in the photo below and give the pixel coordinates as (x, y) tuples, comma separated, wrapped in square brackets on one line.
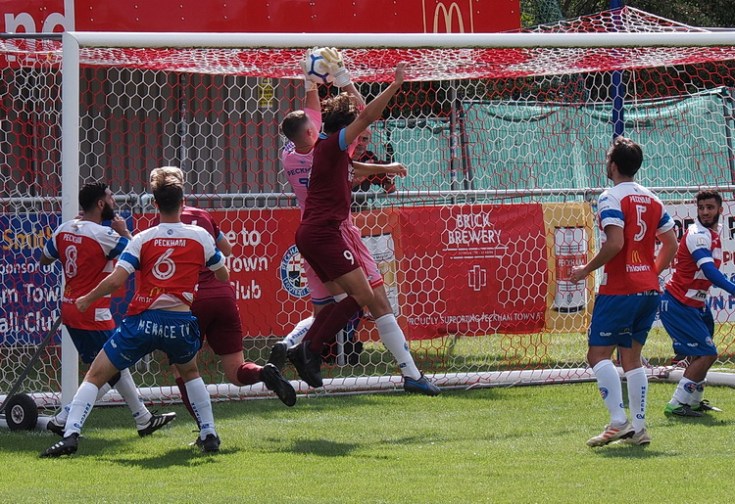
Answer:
[(219, 323), (326, 251)]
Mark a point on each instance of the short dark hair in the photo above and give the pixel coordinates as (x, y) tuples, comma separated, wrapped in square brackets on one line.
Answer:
[(293, 123), (709, 194), (627, 155), (338, 112), (90, 194)]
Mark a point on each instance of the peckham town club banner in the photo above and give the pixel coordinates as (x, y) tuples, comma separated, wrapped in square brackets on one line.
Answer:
[(470, 269)]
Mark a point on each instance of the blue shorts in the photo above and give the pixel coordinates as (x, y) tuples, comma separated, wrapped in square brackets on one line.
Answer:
[(88, 342), (175, 333), (617, 320), (691, 329)]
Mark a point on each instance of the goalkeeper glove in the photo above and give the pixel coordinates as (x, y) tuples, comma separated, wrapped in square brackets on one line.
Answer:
[(305, 65), (336, 66)]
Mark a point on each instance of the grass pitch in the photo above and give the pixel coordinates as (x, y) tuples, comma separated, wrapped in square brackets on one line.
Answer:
[(515, 445)]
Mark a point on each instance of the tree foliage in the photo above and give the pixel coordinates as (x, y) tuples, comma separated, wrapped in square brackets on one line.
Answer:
[(704, 13)]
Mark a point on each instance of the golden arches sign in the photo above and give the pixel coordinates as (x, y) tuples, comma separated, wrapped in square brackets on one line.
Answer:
[(447, 11)]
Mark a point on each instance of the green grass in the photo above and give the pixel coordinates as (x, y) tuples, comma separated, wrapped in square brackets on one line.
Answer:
[(519, 445)]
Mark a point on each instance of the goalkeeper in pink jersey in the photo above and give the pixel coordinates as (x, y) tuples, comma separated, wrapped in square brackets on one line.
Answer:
[(332, 245)]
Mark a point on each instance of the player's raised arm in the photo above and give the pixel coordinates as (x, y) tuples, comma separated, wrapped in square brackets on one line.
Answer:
[(342, 78), (312, 88), (374, 110)]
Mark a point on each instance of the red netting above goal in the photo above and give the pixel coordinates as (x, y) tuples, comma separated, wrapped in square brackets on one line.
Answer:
[(375, 65)]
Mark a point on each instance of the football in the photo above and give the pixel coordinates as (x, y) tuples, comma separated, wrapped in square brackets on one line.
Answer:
[(316, 67)]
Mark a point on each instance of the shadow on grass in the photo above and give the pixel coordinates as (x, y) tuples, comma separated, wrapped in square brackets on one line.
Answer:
[(632, 452), (707, 421), (189, 456), (35, 442), (321, 447)]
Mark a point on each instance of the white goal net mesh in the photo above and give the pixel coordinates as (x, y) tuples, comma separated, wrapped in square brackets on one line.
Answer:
[(505, 150)]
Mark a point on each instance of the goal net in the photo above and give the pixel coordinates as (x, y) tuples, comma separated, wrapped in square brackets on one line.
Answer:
[(504, 137)]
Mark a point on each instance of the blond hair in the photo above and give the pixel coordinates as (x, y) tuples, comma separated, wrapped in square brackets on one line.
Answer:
[(166, 175), (167, 186)]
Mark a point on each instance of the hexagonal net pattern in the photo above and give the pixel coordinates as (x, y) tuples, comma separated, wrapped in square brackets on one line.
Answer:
[(475, 244)]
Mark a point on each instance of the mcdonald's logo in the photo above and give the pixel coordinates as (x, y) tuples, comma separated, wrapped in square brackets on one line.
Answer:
[(155, 292), (635, 257), (442, 19)]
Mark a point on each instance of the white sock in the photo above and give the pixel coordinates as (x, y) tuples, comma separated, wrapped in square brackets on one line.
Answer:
[(394, 340), (698, 395), (126, 387), (61, 417), (637, 397), (684, 393), (297, 333), (608, 381), (202, 406), (104, 389), (81, 406)]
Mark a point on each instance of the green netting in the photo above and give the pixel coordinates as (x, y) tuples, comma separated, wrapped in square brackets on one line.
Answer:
[(522, 146)]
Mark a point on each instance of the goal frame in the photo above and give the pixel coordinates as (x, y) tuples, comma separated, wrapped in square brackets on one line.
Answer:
[(73, 41)]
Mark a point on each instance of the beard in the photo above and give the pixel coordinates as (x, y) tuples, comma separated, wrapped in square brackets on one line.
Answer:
[(713, 224), (107, 212)]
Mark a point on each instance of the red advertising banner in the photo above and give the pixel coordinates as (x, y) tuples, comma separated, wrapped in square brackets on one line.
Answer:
[(292, 16), (472, 269), (265, 268)]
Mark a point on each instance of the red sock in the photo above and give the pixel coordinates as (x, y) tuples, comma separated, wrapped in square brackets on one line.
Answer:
[(185, 398), (318, 322), (248, 373), (328, 322)]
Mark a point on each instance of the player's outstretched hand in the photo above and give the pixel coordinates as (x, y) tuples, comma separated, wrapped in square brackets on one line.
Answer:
[(333, 56), (305, 61), (400, 72), (336, 66), (82, 304), (396, 169)]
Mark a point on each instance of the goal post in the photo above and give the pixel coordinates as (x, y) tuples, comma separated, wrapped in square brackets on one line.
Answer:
[(504, 137)]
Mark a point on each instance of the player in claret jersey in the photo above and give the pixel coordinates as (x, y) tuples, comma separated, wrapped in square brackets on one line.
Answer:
[(86, 250), (684, 313), (332, 252), (298, 157), (631, 219), (215, 308), (169, 257)]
